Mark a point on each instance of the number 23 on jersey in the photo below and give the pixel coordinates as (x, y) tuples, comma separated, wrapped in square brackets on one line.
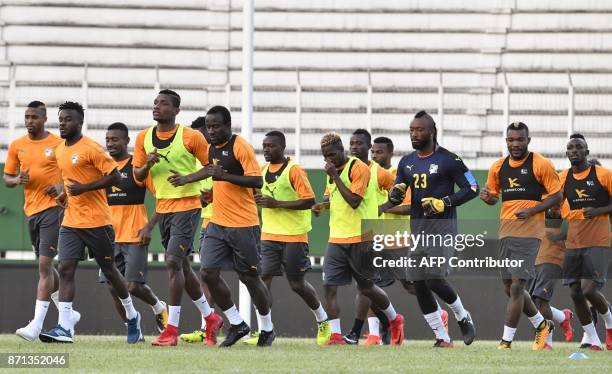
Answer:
[(420, 180)]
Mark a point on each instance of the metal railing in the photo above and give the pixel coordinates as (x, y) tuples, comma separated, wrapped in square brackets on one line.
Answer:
[(369, 114)]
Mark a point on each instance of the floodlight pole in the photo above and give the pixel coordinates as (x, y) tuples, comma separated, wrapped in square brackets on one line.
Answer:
[(244, 304)]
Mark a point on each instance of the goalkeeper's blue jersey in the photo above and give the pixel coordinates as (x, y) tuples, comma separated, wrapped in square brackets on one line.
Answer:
[(436, 176)]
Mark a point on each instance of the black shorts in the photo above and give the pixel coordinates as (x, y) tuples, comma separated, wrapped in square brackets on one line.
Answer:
[(387, 274), (237, 247), (524, 251), (44, 230), (98, 240), (426, 266), (178, 230), (343, 262), (543, 285), (131, 260), (586, 263), (293, 257)]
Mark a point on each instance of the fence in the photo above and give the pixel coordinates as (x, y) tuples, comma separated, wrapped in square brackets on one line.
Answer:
[(468, 117)]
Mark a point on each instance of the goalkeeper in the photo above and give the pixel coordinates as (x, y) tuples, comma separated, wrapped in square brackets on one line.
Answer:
[(432, 172)]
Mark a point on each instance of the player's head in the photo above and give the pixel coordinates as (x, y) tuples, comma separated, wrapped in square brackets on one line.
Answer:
[(71, 115), (117, 139), (35, 117), (218, 124), (274, 146), (360, 144), (577, 149), (382, 151), (423, 132), (332, 149), (166, 106), (200, 125), (517, 140)]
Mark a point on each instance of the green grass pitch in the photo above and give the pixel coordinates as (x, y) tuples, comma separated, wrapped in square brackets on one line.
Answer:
[(112, 354)]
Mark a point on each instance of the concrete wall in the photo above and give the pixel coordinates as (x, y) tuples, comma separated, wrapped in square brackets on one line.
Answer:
[(482, 296)]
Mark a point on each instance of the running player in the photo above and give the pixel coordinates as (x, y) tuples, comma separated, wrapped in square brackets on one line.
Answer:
[(350, 197), (549, 270), (432, 172), (29, 162), (86, 171), (198, 336), (588, 191), (129, 217), (286, 199), (233, 234), (382, 153), (522, 179), (167, 151), (360, 145)]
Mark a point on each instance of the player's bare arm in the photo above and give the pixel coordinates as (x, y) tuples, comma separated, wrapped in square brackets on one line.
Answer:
[(75, 188)]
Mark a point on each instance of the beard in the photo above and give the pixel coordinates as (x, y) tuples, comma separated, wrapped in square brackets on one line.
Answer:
[(421, 144)]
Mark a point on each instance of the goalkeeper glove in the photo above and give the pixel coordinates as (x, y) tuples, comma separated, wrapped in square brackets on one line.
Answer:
[(432, 205), (397, 194)]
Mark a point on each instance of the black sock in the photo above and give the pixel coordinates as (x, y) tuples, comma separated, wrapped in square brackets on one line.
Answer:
[(357, 326), (425, 298), (382, 317)]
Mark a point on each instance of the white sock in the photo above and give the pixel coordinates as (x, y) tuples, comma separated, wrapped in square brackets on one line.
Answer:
[(536, 319), (320, 313), (158, 307), (390, 312), (55, 299), (608, 319), (435, 322), (549, 339), (335, 326), (509, 333), (558, 315), (174, 315), (130, 311), (592, 334), (374, 326), (40, 312), (65, 315), (233, 315), (266, 322), (585, 339), (458, 309), (258, 316), (203, 327), (202, 305)]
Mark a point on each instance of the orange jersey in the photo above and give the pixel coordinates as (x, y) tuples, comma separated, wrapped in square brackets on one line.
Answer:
[(299, 181), (384, 178), (551, 252), (543, 171), (129, 219), (234, 206), (35, 156), (360, 177), (85, 162), (583, 232), (194, 143)]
